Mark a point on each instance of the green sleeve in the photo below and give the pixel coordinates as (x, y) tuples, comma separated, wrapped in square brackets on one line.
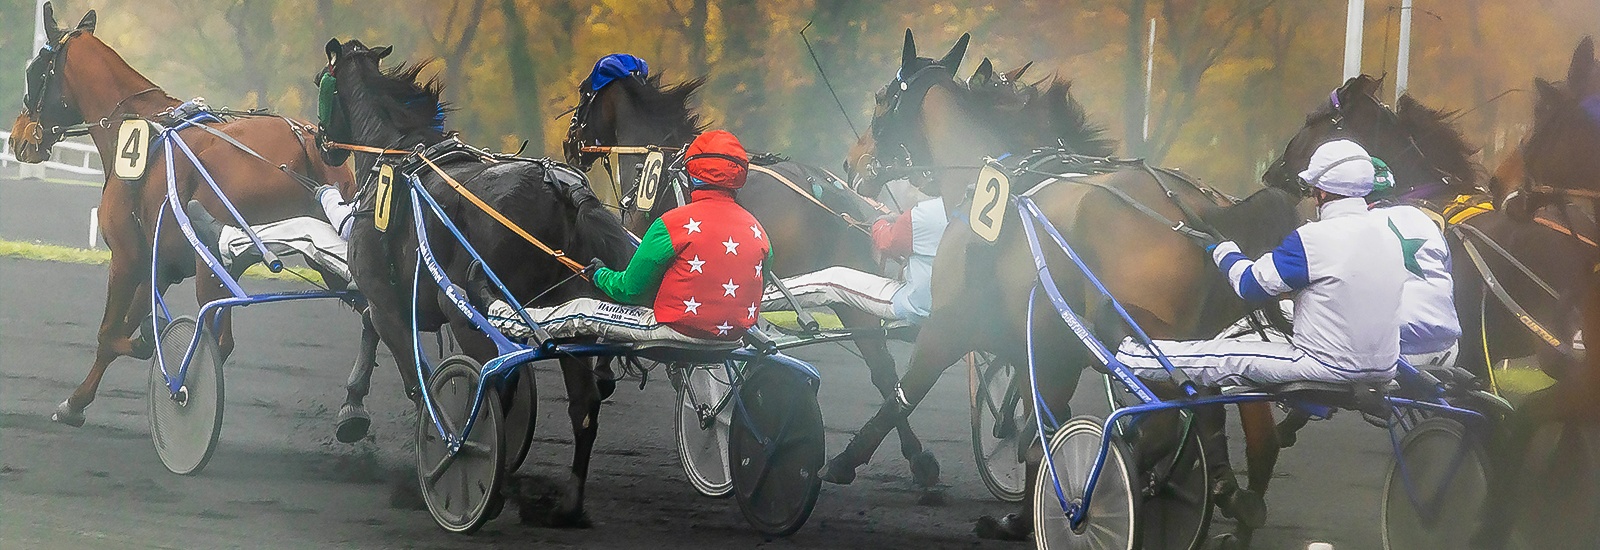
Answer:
[(637, 284)]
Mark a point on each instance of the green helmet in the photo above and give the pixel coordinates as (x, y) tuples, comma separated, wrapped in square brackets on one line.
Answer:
[(1383, 178)]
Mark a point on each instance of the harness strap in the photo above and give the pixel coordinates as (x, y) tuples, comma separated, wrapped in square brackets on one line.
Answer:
[(1475, 232), (308, 183), (1181, 227), (858, 225), (1500, 293), (559, 255), (1557, 227)]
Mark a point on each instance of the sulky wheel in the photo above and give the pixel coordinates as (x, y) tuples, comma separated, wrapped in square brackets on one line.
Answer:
[(1175, 493), (461, 488), (775, 448), (999, 421), (521, 415), (1110, 522), (703, 446), (185, 425), (1436, 489)]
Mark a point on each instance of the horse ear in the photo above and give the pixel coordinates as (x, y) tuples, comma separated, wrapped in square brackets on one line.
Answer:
[(88, 22), (52, 30), (381, 52), (952, 59), (1581, 71), (985, 72), (333, 48), (1549, 94), (908, 53), (1016, 74)]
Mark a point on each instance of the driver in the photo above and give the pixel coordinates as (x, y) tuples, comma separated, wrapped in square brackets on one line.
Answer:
[(1346, 273), (695, 278)]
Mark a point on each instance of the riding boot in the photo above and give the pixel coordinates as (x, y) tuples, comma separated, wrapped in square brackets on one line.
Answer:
[(206, 228)]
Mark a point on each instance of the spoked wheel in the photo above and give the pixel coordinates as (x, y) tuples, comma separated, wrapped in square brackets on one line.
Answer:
[(1110, 522), (1436, 488), (521, 416), (460, 489), (185, 425), (999, 420), (1175, 495), (703, 446), (776, 447)]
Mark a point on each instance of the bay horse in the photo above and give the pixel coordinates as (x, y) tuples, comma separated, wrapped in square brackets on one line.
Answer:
[(76, 79), (1557, 166), (805, 236), (925, 127), (396, 109)]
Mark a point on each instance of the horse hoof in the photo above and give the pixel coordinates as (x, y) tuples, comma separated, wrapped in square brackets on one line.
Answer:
[(1011, 527), (924, 469), (353, 423), (65, 414), (1244, 506), (574, 519), (838, 473), (607, 387), (1286, 437)]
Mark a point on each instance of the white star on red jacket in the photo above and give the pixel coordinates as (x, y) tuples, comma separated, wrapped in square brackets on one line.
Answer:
[(691, 306), (752, 311), (724, 328), (696, 263), (692, 226), (757, 230), (758, 269), (733, 247), (728, 288)]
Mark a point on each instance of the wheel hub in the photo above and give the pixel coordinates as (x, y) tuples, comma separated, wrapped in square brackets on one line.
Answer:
[(182, 396)]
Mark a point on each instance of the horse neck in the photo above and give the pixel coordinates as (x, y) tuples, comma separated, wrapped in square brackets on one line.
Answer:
[(369, 127), (98, 81), (956, 137)]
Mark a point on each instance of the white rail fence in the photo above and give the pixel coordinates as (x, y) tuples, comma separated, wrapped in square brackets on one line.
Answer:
[(85, 158)]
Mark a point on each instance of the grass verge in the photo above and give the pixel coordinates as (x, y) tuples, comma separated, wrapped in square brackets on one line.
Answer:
[(91, 256)]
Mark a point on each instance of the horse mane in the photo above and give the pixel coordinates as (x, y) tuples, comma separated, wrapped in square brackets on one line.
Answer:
[(666, 105), (1444, 145), (407, 101), (1048, 115), (1070, 121), (1259, 222)]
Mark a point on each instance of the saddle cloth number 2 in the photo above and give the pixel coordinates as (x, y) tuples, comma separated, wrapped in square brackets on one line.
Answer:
[(989, 203)]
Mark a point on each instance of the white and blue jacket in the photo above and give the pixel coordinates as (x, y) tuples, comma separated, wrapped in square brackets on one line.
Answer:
[(1428, 322), (1348, 270)]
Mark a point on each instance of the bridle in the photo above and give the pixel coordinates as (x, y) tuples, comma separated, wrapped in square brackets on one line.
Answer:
[(903, 98), (36, 129), (1288, 177)]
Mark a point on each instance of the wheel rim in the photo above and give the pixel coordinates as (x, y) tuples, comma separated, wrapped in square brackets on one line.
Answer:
[(185, 429), (703, 450), (521, 417), (777, 487), (1175, 508), (459, 494), (994, 444), (1451, 502), (1109, 523)]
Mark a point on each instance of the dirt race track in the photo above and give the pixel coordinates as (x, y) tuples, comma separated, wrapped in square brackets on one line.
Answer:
[(279, 480)]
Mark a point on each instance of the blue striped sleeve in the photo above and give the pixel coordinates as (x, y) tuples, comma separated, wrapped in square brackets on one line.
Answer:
[(1290, 260)]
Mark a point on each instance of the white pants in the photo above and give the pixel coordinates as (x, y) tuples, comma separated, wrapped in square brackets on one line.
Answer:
[(590, 317), (1234, 362), (307, 236), (837, 286)]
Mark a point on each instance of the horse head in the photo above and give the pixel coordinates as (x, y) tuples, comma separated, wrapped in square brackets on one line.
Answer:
[(48, 107), (1560, 150), (895, 130), (360, 103), (1418, 143)]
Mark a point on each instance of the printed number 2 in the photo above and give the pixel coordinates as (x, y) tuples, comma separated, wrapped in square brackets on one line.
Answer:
[(131, 149), (989, 203)]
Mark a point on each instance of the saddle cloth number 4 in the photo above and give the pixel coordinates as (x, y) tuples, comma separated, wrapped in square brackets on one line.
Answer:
[(132, 150), (989, 203)]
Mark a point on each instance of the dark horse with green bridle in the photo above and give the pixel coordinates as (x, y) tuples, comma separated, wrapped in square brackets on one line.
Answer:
[(1121, 217)]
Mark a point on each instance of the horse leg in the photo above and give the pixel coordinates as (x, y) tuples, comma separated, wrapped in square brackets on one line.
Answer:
[(583, 406), (939, 345), (113, 340), (1261, 446), (875, 351), (208, 288), (354, 421)]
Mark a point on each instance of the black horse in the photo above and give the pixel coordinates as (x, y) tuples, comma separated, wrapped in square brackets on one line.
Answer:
[(394, 109), (805, 237)]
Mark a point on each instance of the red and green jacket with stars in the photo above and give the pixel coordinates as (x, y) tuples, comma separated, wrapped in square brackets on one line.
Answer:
[(699, 266)]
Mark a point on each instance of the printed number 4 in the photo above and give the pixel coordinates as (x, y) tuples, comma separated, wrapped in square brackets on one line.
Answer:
[(130, 149)]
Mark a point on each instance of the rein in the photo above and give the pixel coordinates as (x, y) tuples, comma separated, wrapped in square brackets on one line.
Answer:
[(854, 223), (1462, 231), (559, 255)]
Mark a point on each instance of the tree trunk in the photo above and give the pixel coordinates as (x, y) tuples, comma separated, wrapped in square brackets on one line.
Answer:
[(525, 68), (1133, 109), (744, 27)]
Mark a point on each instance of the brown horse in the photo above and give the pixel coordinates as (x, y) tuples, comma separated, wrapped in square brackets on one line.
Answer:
[(925, 128), (641, 110), (78, 79), (1558, 164)]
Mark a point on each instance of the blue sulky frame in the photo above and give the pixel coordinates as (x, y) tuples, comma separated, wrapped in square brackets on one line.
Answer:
[(1409, 378), (211, 313), (514, 355)]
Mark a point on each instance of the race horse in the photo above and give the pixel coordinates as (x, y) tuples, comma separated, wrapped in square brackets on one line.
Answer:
[(1552, 499), (388, 110), (1120, 220), (76, 79), (812, 219)]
